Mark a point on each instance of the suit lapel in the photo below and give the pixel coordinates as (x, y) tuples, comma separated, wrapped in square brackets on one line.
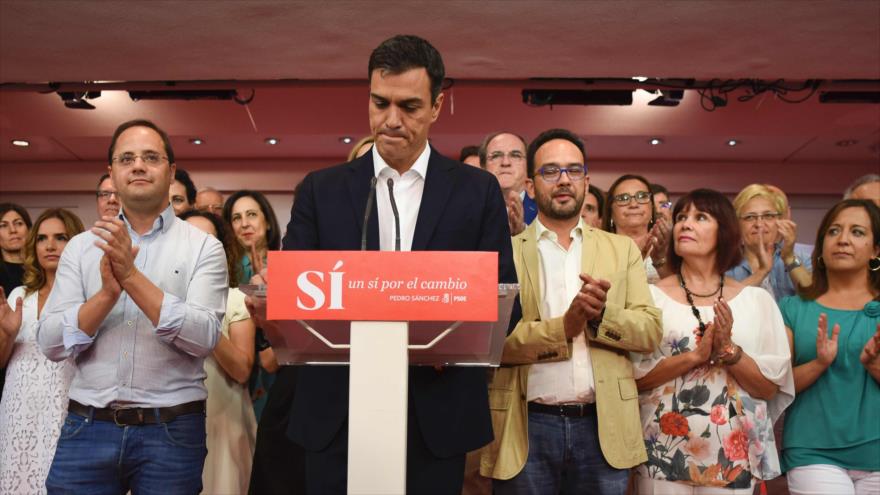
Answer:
[(438, 186), (530, 256), (588, 250), (360, 174)]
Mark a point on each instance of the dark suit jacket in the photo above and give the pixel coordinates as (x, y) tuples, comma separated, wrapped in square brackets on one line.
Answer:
[(462, 209)]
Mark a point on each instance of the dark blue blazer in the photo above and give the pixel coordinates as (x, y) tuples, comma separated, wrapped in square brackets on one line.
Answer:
[(462, 209)]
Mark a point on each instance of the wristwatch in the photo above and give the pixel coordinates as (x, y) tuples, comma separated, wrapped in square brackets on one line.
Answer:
[(794, 264)]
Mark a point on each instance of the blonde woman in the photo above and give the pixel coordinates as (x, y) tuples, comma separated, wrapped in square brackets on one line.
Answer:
[(771, 257), (35, 398)]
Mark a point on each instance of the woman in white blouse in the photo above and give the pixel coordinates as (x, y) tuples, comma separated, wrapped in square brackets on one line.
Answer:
[(722, 373), (35, 397)]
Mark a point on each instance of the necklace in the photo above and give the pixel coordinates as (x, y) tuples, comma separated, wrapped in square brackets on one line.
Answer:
[(690, 299)]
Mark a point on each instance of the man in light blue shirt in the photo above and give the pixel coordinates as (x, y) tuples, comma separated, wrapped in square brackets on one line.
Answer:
[(137, 304)]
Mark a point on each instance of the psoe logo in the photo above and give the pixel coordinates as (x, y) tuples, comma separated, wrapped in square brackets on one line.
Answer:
[(311, 284)]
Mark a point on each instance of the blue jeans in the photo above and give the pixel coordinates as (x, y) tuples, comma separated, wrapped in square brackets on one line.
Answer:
[(564, 457), (99, 457)]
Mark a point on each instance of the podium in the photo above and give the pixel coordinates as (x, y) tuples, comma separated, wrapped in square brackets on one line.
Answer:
[(443, 320)]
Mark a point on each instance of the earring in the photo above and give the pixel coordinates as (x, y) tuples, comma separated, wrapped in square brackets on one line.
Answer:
[(874, 264), (820, 263)]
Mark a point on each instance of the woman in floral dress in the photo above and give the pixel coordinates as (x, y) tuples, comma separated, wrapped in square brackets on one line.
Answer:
[(721, 375)]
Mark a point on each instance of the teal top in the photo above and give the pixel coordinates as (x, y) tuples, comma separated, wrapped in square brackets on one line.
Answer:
[(837, 419), (246, 270)]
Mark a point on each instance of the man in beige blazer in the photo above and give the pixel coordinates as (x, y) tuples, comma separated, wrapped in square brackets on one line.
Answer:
[(564, 402)]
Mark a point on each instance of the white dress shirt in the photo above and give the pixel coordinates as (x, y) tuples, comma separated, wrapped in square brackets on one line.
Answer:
[(408, 189), (129, 362), (569, 381)]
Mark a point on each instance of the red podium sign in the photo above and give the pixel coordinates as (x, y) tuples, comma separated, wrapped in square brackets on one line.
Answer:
[(371, 285)]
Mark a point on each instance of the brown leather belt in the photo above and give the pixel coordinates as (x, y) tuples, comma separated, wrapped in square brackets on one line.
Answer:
[(134, 416), (567, 410)]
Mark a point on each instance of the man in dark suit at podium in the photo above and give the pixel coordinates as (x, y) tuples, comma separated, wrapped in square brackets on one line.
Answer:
[(443, 206)]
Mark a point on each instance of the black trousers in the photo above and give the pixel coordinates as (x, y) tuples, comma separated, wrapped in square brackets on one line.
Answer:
[(279, 464), (327, 470)]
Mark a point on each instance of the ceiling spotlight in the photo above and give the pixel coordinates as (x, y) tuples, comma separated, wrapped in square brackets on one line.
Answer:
[(639, 78), (196, 141), (79, 99), (271, 140), (668, 98), (21, 143), (655, 141), (732, 142), (346, 139)]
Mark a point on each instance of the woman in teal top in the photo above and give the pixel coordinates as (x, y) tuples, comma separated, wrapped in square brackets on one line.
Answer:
[(831, 442), (256, 228)]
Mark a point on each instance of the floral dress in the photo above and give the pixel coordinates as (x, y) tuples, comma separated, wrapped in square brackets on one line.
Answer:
[(702, 428)]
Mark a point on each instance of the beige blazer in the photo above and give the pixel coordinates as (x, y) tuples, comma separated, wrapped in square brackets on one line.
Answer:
[(631, 323)]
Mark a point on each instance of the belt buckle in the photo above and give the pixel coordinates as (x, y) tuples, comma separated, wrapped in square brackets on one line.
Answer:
[(140, 416)]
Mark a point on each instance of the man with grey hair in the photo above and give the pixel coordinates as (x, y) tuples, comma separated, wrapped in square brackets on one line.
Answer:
[(865, 187), (210, 200), (504, 155)]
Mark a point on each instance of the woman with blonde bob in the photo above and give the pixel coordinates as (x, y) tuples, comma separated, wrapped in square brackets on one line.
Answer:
[(771, 257), (35, 399)]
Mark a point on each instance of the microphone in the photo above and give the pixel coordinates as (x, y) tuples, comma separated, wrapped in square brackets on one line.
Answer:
[(368, 210), (396, 216)]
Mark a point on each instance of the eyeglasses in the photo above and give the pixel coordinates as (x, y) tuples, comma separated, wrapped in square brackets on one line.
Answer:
[(514, 156), (105, 195), (641, 197), (149, 158), (666, 205), (766, 216), (552, 173)]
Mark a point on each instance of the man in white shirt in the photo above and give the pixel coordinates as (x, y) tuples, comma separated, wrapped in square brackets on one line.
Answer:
[(567, 418)]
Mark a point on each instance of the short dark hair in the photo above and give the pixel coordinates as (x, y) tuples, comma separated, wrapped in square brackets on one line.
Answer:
[(225, 236), (404, 52), (273, 232), (600, 198), (727, 245), (819, 284), (166, 141), (607, 222), (22, 212), (469, 150), (101, 181), (182, 176), (550, 135), (658, 189), (484, 146)]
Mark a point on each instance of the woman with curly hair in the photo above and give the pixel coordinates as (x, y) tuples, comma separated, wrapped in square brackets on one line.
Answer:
[(832, 431), (35, 399), (722, 372)]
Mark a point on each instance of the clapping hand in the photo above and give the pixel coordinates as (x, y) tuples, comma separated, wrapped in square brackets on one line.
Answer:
[(788, 232), (703, 350), (661, 236), (586, 306), (515, 213), (259, 277), (10, 319), (826, 349), (117, 247), (723, 326), (871, 351), (761, 252)]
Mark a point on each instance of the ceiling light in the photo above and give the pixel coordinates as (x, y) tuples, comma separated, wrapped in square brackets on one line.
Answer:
[(346, 139), (655, 141), (196, 141), (21, 142), (639, 78), (271, 140), (732, 142), (79, 100), (668, 98)]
